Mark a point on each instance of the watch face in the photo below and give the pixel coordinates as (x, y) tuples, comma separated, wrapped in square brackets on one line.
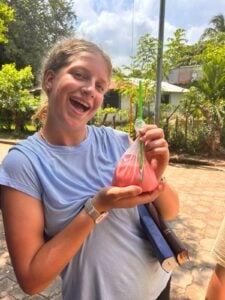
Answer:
[(101, 217)]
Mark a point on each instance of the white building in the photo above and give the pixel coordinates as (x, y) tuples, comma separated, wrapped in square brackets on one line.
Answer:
[(170, 94)]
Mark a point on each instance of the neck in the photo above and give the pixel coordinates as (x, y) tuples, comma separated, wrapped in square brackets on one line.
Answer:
[(63, 139)]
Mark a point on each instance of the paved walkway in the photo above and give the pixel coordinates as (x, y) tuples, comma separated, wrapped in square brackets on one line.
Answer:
[(202, 207)]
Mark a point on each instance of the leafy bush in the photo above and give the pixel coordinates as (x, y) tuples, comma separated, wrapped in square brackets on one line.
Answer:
[(16, 103)]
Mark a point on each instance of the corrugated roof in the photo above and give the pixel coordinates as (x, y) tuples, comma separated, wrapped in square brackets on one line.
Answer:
[(168, 87), (165, 87)]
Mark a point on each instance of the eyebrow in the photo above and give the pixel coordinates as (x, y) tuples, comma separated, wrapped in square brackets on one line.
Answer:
[(102, 81)]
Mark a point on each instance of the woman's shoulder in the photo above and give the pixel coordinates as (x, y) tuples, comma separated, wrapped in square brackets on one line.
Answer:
[(29, 142), (105, 130), (23, 155), (19, 156), (110, 135), (17, 171)]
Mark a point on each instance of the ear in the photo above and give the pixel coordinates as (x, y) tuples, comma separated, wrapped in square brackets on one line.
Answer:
[(48, 81)]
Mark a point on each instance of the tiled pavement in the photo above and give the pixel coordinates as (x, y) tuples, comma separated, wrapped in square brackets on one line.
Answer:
[(202, 207)]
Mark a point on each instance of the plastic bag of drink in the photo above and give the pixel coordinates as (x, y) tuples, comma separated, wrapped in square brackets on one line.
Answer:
[(134, 169)]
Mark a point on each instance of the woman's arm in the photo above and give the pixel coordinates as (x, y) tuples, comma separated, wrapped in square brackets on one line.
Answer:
[(168, 202), (36, 262), (157, 153), (216, 286)]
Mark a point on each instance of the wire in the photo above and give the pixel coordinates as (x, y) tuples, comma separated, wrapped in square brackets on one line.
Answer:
[(132, 32)]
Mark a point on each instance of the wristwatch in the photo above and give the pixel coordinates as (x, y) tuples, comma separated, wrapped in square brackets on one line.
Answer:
[(93, 212)]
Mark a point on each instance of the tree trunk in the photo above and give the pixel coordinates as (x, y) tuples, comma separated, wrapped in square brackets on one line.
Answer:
[(215, 141), (18, 122)]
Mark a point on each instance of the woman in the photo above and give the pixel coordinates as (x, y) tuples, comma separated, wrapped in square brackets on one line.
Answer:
[(216, 285), (56, 186)]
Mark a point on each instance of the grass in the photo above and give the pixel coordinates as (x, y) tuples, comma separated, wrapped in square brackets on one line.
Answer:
[(12, 134)]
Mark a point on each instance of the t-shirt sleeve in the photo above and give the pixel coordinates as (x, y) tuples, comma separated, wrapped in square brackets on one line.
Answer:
[(218, 251), (123, 138), (18, 172)]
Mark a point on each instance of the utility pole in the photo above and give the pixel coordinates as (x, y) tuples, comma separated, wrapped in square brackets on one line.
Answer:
[(159, 61)]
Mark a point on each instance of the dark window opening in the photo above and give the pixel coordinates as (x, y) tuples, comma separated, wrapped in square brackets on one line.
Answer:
[(111, 99), (165, 98)]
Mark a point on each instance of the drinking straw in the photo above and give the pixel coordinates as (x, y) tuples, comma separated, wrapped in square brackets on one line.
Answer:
[(140, 115), (140, 101)]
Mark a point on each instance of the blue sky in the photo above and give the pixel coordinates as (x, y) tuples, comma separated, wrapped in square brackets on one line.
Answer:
[(117, 25)]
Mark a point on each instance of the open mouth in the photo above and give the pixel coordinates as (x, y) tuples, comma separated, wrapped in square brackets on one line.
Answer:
[(82, 107)]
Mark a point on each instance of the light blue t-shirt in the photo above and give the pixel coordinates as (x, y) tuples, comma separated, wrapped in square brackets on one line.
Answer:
[(115, 262)]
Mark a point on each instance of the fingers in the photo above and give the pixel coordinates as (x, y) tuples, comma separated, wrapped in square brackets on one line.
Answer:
[(153, 139), (146, 127), (151, 132), (155, 147), (149, 197), (123, 197), (158, 146), (123, 192), (115, 197)]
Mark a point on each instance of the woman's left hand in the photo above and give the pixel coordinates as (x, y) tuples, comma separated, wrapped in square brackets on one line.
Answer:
[(155, 147)]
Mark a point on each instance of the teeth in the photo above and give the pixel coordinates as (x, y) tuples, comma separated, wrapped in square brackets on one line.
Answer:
[(84, 104)]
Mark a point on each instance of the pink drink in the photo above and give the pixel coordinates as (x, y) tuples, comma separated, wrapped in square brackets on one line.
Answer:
[(127, 173)]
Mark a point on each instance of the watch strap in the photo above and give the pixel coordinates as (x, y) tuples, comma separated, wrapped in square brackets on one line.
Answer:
[(93, 212)]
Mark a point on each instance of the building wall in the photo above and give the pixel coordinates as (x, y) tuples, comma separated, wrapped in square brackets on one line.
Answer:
[(184, 75), (175, 98), (124, 104)]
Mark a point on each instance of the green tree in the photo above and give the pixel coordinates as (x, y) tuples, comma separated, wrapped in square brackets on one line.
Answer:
[(218, 26), (38, 24), (177, 53), (6, 16), (212, 87), (144, 61), (16, 102)]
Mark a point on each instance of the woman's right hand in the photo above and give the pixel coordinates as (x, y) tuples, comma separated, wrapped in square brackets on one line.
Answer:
[(123, 197)]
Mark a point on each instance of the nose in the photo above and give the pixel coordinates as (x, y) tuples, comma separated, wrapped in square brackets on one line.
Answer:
[(88, 89)]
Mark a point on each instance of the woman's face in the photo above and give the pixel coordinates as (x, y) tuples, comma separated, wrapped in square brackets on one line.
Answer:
[(76, 91)]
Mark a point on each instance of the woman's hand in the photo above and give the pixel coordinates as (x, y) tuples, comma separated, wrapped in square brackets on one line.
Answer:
[(155, 147), (123, 197)]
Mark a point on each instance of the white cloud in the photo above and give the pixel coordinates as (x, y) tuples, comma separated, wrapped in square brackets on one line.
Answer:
[(116, 31), (194, 33), (117, 25), (112, 32)]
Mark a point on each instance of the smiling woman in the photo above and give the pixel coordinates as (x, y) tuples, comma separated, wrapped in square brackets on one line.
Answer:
[(75, 92), (79, 52), (61, 213)]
